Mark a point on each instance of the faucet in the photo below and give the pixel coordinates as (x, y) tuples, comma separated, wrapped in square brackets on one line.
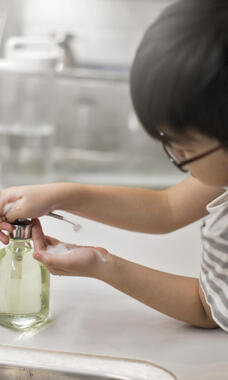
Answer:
[(64, 41)]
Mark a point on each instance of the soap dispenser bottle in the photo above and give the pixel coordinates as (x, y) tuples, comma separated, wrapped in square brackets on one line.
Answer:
[(24, 282)]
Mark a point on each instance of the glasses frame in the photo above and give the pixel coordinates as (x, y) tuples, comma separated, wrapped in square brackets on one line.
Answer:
[(181, 165)]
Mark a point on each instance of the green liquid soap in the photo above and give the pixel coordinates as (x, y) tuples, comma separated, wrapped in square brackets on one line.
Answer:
[(24, 287)]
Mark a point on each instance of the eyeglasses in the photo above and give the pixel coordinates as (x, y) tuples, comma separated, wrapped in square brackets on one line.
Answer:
[(178, 161)]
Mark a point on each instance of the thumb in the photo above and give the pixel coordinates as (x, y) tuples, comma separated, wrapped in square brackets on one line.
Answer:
[(38, 236), (11, 209)]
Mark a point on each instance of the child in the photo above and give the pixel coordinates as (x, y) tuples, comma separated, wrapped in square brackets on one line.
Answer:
[(179, 87)]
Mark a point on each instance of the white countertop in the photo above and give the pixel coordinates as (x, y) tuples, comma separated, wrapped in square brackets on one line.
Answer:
[(88, 316)]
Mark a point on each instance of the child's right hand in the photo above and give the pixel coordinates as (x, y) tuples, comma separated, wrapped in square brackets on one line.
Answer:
[(27, 201)]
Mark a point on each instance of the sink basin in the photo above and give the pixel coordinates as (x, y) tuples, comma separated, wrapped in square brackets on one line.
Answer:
[(26, 364), (15, 372)]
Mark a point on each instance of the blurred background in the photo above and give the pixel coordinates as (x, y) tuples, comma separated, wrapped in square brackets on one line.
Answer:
[(65, 107)]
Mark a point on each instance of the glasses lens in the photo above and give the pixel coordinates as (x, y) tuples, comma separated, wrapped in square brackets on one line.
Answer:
[(177, 155)]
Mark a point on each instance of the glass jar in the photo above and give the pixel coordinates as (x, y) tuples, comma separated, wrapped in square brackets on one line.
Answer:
[(24, 282), (27, 111)]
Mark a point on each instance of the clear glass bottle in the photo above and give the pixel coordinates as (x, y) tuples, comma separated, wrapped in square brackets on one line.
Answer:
[(24, 282)]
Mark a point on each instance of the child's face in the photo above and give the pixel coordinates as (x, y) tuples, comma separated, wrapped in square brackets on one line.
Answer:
[(213, 168)]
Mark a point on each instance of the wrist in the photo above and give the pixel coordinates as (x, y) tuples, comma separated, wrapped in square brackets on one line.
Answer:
[(65, 195), (107, 266)]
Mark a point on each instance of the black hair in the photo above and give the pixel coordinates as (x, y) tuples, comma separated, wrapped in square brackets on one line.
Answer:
[(179, 77)]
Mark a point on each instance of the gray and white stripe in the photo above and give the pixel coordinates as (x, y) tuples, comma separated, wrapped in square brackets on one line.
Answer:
[(214, 261)]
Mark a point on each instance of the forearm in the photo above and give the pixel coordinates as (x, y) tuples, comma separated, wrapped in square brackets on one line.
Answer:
[(175, 296), (134, 209), (137, 209)]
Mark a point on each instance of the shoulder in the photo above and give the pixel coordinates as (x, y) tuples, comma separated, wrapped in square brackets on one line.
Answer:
[(216, 224)]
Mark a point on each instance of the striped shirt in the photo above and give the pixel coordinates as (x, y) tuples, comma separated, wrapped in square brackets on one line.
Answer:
[(214, 261)]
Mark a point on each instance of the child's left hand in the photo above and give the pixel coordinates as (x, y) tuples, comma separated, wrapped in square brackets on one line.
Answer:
[(80, 261)]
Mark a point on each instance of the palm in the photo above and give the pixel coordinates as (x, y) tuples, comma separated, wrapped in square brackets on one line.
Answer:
[(80, 260), (77, 261)]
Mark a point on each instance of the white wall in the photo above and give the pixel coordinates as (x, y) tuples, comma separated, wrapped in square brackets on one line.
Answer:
[(108, 30)]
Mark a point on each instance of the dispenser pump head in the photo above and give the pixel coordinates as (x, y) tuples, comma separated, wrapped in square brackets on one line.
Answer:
[(22, 229)]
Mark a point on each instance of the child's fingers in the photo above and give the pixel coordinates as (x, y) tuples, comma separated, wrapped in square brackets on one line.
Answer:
[(43, 257), (58, 272), (52, 261), (6, 213), (4, 238), (51, 241), (72, 246), (6, 227), (38, 236)]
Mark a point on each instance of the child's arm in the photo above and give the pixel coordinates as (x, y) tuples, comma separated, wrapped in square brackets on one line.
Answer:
[(177, 296), (141, 210), (136, 209)]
